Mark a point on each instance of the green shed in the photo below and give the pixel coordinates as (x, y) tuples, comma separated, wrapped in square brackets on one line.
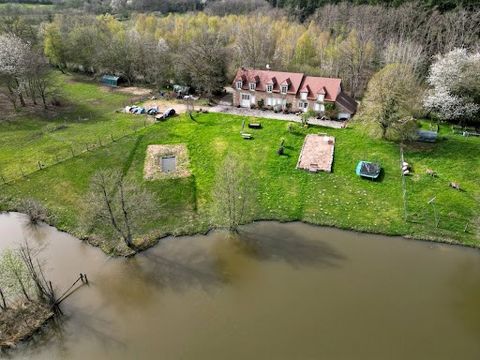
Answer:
[(110, 80)]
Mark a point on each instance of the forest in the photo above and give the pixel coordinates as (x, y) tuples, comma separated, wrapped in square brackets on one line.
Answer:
[(204, 48)]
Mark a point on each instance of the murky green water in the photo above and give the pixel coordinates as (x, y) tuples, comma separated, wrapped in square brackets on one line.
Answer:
[(283, 291)]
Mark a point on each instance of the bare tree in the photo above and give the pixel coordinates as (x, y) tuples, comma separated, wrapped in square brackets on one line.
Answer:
[(233, 194), (203, 63), (118, 205)]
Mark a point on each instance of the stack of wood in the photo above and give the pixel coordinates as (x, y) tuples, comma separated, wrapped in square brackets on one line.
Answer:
[(406, 168)]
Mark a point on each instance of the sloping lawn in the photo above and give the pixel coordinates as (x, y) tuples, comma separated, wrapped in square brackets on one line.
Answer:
[(87, 116), (340, 198), (455, 159)]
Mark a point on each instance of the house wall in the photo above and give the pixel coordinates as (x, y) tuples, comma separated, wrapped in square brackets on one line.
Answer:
[(264, 96), (294, 100)]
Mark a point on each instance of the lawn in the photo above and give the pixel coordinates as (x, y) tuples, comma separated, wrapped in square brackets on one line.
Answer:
[(338, 199), (86, 117)]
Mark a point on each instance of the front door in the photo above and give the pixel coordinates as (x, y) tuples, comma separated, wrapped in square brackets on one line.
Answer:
[(245, 100)]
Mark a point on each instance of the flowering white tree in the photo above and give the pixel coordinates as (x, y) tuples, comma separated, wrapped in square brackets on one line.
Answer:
[(13, 58), (455, 81)]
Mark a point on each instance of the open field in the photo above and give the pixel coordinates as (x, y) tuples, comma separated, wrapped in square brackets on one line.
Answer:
[(338, 199), (88, 114)]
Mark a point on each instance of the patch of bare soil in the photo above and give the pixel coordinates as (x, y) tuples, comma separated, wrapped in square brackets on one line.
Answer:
[(22, 321), (153, 169), (131, 90)]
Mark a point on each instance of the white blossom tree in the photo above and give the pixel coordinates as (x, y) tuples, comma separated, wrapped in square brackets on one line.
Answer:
[(455, 81), (13, 59)]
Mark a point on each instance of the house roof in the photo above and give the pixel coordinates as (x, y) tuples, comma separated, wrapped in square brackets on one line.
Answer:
[(110, 77), (298, 82), (267, 76), (330, 87), (347, 103)]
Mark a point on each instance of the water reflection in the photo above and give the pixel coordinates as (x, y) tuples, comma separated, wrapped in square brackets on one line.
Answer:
[(286, 245), (281, 291)]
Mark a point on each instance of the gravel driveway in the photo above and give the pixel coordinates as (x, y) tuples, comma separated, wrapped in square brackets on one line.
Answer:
[(277, 116)]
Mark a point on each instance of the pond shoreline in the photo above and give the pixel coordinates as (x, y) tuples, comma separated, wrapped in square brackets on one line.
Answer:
[(152, 243)]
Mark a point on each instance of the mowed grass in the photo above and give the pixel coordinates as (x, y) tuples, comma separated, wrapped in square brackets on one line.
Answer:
[(283, 193), (87, 116)]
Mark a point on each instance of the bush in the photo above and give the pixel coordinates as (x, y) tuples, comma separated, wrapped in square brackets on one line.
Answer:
[(35, 211), (261, 104)]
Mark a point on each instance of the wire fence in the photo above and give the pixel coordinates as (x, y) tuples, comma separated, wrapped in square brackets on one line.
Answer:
[(66, 152), (439, 218)]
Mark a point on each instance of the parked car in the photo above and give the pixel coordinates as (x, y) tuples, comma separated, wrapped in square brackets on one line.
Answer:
[(169, 112)]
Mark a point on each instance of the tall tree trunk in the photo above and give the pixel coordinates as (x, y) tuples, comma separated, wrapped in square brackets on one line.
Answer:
[(20, 95), (3, 306), (129, 237)]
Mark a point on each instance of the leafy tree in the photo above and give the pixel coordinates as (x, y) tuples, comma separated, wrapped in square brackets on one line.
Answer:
[(455, 87), (390, 102), (55, 48), (15, 280)]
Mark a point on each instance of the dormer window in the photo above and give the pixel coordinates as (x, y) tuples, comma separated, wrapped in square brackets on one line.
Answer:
[(253, 86), (284, 89), (269, 88), (239, 84), (303, 95), (321, 97)]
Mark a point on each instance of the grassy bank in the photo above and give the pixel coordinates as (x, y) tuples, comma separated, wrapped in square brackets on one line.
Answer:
[(338, 199)]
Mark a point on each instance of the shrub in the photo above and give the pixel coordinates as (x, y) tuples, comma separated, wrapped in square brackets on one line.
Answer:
[(35, 211), (261, 104)]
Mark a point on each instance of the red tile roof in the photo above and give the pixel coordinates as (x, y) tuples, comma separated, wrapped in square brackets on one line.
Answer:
[(298, 82), (266, 76), (329, 86)]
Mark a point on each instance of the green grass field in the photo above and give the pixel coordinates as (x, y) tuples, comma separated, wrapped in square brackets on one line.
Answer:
[(87, 116), (338, 199)]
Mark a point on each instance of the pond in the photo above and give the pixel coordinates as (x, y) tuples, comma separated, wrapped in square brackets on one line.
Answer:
[(279, 291)]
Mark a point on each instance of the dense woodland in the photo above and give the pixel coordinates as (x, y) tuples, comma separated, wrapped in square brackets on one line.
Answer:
[(204, 48)]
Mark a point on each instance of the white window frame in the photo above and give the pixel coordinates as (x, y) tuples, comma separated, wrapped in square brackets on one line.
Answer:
[(302, 104), (239, 84), (269, 88), (284, 89), (245, 97), (303, 95), (321, 97), (253, 86)]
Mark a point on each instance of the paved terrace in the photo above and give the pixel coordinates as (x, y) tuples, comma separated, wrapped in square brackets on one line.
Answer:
[(317, 153)]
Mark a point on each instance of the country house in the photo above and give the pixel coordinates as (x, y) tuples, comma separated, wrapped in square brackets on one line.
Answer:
[(278, 88)]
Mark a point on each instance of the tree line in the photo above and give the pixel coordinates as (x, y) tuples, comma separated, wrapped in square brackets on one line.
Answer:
[(346, 41)]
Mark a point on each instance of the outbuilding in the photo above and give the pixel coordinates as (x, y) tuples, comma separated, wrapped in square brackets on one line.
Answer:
[(110, 80)]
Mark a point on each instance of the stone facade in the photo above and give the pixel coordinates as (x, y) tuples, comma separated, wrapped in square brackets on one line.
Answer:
[(276, 98)]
